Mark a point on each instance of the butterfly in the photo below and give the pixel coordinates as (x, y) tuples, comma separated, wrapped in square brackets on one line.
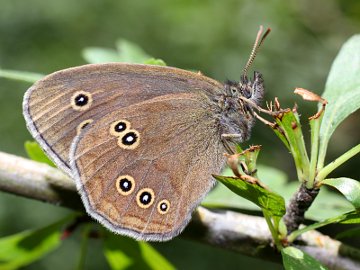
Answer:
[(141, 141)]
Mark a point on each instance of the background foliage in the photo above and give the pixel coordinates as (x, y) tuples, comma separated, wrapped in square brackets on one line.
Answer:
[(212, 36)]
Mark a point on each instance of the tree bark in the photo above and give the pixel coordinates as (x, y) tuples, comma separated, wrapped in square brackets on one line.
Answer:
[(248, 235)]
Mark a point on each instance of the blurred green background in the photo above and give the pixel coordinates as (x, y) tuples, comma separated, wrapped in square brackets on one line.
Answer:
[(212, 36)]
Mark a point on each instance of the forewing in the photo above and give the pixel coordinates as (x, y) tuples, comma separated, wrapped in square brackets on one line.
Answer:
[(178, 147), (54, 118)]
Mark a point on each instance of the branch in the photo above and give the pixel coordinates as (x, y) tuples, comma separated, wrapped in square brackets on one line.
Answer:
[(37, 181), (299, 204), (248, 235)]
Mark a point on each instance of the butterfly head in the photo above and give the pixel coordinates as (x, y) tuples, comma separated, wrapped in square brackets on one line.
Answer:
[(251, 89), (239, 99), (237, 106)]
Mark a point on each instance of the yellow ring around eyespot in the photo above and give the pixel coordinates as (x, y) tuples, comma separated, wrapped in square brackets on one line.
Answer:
[(139, 203), (131, 146), (81, 108), (159, 207), (112, 127), (82, 124), (130, 179)]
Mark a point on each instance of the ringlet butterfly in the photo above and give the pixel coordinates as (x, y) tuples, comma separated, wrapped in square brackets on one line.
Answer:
[(141, 141)]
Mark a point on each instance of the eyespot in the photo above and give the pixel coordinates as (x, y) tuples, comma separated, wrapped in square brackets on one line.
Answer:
[(145, 197), (82, 125), (125, 184), (163, 206), (118, 127), (129, 140), (81, 101)]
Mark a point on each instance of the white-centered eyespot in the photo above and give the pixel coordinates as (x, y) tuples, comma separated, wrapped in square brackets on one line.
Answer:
[(81, 100), (82, 125), (119, 127), (129, 140), (145, 197), (163, 206), (125, 184)]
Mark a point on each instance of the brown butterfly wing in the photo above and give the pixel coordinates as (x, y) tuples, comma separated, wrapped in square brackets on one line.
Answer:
[(147, 188), (54, 118)]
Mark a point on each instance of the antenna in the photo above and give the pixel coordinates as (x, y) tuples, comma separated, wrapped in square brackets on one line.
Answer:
[(260, 37)]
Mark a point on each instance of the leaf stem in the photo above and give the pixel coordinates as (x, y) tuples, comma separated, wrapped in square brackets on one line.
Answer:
[(273, 231), (337, 162), (315, 130), (292, 236)]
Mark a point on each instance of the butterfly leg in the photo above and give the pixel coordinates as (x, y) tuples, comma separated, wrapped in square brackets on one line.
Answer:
[(228, 137)]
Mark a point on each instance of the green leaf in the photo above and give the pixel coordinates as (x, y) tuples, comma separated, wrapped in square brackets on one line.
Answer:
[(130, 52), (125, 253), (222, 197), (20, 75), (154, 259), (351, 233), (296, 259), (328, 203), (250, 156), (267, 200), (126, 52), (156, 62), (34, 152), (26, 247), (342, 91), (290, 124), (282, 137), (352, 217), (350, 188), (96, 55)]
